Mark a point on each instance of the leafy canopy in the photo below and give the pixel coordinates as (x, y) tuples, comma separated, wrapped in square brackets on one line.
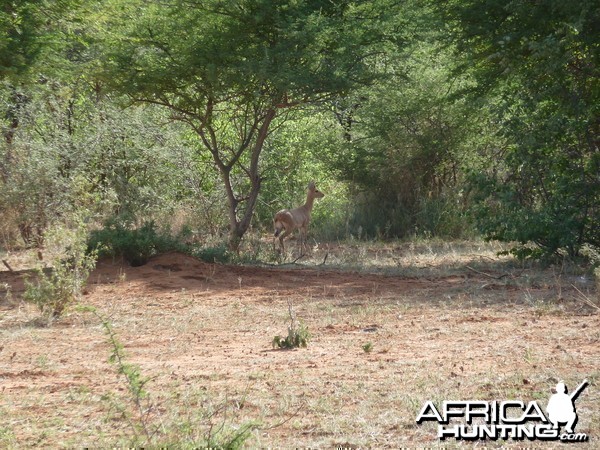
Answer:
[(189, 52), (227, 67), (537, 65)]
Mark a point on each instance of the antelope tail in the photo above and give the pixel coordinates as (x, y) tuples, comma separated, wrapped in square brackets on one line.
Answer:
[(278, 227)]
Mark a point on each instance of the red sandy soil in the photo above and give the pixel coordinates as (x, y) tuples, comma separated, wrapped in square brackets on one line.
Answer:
[(203, 333)]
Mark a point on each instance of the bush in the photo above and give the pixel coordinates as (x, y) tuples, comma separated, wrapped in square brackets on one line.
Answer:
[(217, 254), (367, 347), (546, 214), (135, 245), (58, 287)]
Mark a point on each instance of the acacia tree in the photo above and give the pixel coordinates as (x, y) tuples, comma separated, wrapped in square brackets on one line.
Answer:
[(22, 31), (228, 68), (537, 64), (27, 30)]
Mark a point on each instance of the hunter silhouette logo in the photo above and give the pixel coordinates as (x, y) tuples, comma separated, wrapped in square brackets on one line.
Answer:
[(511, 419), (561, 406)]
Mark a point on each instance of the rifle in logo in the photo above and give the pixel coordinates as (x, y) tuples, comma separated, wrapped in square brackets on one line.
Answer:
[(561, 406)]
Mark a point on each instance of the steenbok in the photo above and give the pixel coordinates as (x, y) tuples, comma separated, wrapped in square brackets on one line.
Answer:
[(288, 220)]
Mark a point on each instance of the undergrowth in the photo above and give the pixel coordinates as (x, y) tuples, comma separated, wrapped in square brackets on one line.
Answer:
[(136, 245), (208, 426), (57, 287)]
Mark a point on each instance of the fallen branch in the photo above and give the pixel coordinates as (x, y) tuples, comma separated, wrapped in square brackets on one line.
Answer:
[(7, 265), (324, 259), (283, 264), (585, 299), (483, 256), (487, 274), (298, 258), (494, 277)]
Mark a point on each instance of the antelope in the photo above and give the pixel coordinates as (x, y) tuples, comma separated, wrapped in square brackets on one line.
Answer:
[(297, 218)]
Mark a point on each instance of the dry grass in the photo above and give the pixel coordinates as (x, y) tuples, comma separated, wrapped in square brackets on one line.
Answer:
[(438, 330)]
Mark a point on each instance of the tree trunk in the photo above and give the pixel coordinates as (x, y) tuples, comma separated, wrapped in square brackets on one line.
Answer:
[(238, 227)]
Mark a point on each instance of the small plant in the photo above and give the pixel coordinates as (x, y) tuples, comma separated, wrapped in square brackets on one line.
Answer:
[(298, 335), (368, 347), (135, 385), (56, 288), (145, 417)]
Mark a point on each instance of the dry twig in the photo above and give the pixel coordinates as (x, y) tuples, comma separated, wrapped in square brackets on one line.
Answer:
[(7, 265), (494, 277), (584, 298)]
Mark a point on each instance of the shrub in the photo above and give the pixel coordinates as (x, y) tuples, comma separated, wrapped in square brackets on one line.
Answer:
[(561, 221), (149, 426), (298, 335), (56, 288), (217, 254), (135, 245)]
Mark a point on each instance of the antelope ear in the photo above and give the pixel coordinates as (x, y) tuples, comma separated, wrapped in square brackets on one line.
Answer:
[(311, 186)]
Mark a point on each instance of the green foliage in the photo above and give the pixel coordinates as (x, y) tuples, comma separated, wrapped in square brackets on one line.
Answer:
[(297, 335), (538, 63), (367, 347), (330, 216), (243, 50), (299, 153), (22, 30), (135, 245), (142, 412), (229, 69), (545, 189), (414, 118), (65, 149), (218, 254), (406, 147), (56, 288), (558, 221)]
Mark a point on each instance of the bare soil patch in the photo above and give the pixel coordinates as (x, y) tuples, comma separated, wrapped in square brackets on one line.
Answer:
[(202, 333)]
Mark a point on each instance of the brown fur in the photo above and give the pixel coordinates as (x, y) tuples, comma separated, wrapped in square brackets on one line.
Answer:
[(288, 220)]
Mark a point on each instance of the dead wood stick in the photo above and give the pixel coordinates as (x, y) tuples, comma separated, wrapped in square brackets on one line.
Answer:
[(487, 274), (496, 277), (584, 298), (5, 262), (324, 259)]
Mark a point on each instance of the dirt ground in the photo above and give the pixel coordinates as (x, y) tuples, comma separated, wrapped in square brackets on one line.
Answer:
[(398, 327)]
